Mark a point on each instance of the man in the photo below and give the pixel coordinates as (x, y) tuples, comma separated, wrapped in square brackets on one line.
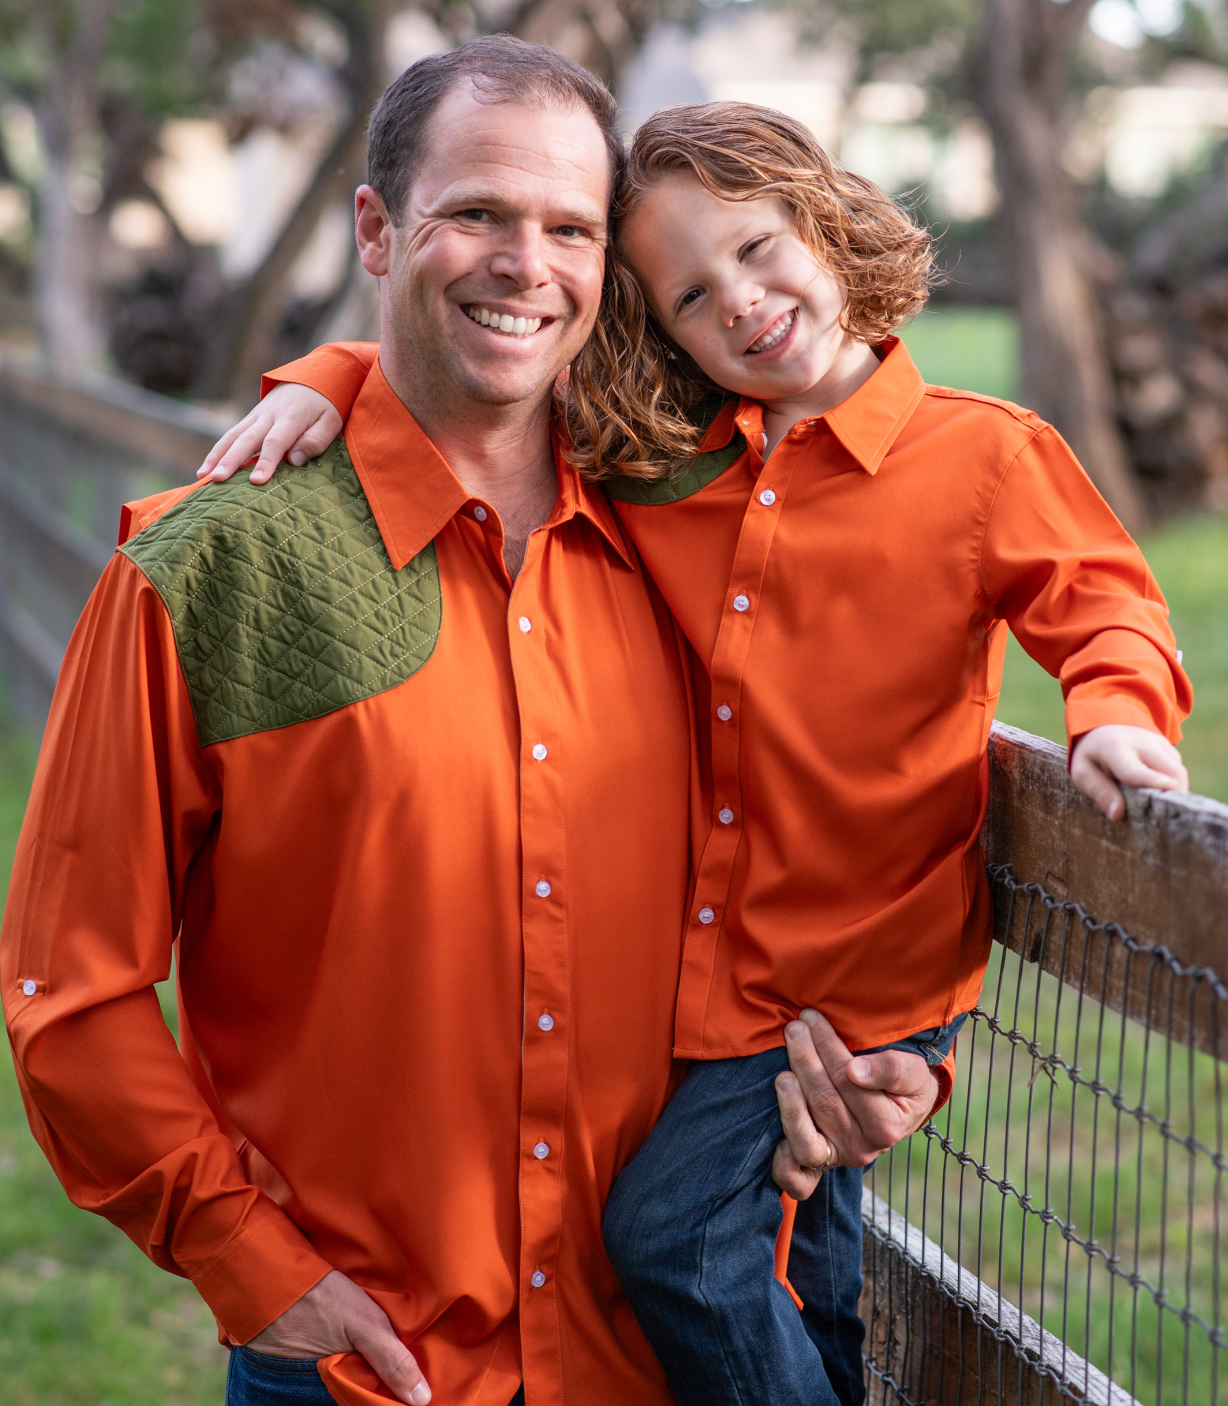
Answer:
[(398, 754)]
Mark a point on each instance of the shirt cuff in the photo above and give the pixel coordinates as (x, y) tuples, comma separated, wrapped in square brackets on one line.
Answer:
[(270, 1266), (1084, 714), (336, 371)]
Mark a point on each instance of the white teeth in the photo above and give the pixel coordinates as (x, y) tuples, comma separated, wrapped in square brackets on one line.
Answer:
[(770, 341), (504, 322)]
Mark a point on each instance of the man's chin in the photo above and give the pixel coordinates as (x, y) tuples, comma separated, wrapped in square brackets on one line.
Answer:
[(504, 387)]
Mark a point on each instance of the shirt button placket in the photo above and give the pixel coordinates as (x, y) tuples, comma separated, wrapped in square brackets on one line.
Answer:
[(544, 1065)]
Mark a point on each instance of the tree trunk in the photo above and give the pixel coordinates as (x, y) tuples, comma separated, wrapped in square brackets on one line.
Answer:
[(66, 277), (1019, 79), (247, 324)]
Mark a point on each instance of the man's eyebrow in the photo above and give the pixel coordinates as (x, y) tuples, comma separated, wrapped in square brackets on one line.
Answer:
[(477, 198)]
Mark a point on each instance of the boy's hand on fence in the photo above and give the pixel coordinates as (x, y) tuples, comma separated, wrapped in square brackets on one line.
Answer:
[(337, 1316), (1134, 755), (292, 422), (838, 1111)]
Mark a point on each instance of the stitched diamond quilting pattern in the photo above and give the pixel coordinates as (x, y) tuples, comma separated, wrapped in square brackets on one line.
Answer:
[(284, 603), (685, 479)]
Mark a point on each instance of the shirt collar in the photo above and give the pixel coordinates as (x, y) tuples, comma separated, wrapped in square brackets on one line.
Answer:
[(578, 495), (867, 424), (412, 491)]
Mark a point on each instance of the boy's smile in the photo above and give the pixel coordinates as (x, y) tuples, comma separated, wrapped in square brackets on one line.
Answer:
[(732, 283)]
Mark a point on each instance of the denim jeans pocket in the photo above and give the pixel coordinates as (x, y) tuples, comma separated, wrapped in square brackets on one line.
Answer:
[(259, 1379)]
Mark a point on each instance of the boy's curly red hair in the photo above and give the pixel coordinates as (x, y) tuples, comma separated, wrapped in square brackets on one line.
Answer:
[(632, 394)]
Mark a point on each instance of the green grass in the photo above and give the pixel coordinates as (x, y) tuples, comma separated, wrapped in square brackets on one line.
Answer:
[(973, 349), (85, 1318)]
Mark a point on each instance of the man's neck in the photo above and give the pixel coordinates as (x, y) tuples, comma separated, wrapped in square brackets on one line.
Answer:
[(500, 453)]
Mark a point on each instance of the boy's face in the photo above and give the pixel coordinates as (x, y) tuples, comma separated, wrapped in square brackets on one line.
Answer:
[(734, 286)]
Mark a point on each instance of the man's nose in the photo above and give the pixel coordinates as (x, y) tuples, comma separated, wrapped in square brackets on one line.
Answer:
[(522, 257)]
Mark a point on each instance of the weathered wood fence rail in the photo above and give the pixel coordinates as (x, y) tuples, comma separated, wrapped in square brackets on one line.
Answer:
[(1155, 949), (71, 452)]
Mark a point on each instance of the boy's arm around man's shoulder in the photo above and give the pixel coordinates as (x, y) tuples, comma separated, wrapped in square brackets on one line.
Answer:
[(1077, 593), (123, 800)]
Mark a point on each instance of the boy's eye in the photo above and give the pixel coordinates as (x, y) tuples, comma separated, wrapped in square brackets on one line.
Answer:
[(755, 244), (688, 298)]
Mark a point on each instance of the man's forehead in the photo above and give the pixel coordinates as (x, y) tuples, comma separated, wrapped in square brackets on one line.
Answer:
[(483, 151)]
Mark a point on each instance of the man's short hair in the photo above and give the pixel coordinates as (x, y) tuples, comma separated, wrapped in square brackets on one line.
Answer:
[(500, 69)]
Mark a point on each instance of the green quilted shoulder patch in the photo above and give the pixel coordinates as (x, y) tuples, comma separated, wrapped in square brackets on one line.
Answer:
[(284, 602), (683, 479)]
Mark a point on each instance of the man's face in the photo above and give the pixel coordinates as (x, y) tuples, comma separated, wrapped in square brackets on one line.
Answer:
[(493, 276)]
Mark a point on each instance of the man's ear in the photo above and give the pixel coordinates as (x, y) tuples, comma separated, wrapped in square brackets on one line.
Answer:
[(372, 230)]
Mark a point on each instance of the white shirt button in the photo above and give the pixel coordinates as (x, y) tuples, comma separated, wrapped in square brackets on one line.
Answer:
[(525, 624), (545, 1021), (725, 816), (542, 1150), (537, 1279), (724, 712), (480, 513), (767, 498), (706, 915), (29, 987), (741, 602), (539, 752), (543, 889)]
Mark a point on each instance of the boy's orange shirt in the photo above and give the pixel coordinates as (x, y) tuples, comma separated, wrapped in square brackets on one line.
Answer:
[(849, 601)]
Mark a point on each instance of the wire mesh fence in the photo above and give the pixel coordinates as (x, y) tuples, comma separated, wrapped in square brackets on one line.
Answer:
[(1057, 1233)]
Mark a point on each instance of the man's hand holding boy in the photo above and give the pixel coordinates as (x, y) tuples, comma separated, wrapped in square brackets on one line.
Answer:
[(863, 1106)]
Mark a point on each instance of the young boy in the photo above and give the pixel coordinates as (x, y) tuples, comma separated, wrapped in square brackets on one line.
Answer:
[(843, 547)]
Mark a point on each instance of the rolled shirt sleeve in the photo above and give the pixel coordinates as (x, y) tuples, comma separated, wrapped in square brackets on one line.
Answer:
[(123, 804)]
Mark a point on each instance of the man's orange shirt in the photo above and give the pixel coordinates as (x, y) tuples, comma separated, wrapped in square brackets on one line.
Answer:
[(420, 834), (850, 600)]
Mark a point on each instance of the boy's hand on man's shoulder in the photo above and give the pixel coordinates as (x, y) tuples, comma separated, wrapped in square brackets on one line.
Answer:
[(1135, 756), (838, 1111), (291, 423)]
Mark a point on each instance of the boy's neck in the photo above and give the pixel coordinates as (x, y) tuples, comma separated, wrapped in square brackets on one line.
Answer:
[(853, 366)]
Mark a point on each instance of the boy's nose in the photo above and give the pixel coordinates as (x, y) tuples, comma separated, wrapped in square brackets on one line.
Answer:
[(740, 302)]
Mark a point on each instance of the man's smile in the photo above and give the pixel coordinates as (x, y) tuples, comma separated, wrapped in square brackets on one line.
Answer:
[(509, 324)]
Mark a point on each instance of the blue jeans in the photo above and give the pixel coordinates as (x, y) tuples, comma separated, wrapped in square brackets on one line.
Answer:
[(691, 1227), (256, 1379)]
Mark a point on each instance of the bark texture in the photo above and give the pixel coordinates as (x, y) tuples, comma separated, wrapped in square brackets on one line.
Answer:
[(1019, 73), (66, 276), (248, 319)]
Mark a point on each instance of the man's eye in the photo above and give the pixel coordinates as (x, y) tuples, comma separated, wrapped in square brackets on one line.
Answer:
[(568, 231), (477, 216)]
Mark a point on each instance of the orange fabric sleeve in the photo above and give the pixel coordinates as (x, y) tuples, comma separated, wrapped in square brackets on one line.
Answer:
[(123, 803), (1078, 595), (337, 370)]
